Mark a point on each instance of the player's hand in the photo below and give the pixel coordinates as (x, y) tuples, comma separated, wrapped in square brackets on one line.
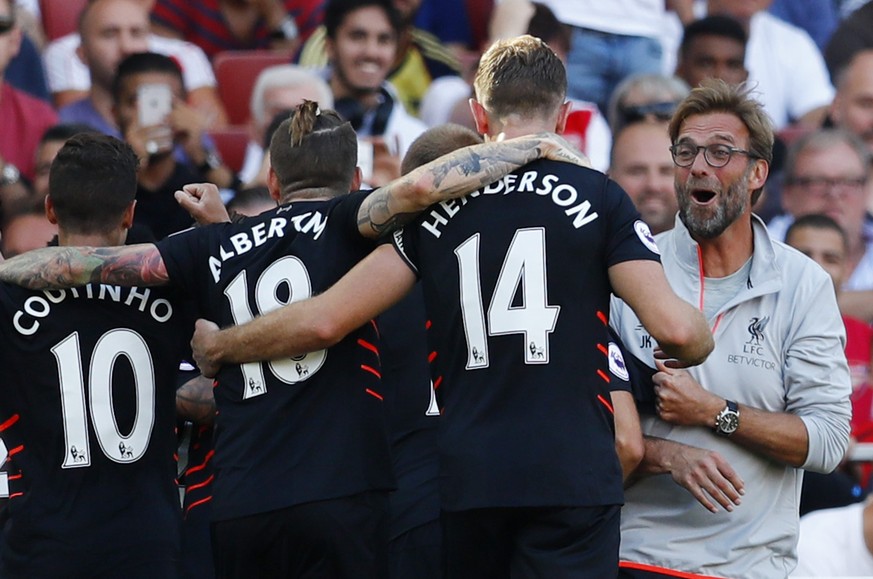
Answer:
[(708, 477), (682, 400), (203, 344), (203, 202), (386, 162), (557, 148), (670, 362)]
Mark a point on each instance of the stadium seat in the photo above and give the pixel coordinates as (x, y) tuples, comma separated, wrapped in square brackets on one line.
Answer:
[(236, 72), (231, 144), (60, 17)]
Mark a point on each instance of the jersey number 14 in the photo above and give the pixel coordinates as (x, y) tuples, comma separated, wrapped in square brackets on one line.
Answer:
[(524, 269)]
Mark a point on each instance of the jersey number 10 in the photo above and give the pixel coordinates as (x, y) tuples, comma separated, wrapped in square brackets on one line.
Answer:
[(109, 348)]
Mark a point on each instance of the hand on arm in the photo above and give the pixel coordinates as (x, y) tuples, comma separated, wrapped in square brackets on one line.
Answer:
[(680, 329), (203, 202), (455, 175), (63, 267), (704, 473), (777, 435), (195, 401), (379, 281)]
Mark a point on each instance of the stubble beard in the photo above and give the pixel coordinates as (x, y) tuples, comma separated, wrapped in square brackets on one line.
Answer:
[(711, 221)]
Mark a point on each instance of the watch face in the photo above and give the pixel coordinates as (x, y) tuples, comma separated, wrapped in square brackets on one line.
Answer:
[(728, 422)]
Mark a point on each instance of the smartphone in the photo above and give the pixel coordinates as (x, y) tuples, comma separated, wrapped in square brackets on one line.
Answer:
[(154, 102)]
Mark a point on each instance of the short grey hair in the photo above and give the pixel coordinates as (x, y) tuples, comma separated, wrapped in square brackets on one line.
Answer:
[(286, 75), (655, 87), (825, 139)]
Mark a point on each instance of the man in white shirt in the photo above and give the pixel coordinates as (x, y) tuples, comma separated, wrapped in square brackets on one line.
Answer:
[(69, 77)]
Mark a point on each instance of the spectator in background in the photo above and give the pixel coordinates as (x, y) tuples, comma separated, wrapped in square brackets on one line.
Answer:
[(26, 227), (827, 172), (24, 117), (116, 29), (821, 239), (818, 18), (217, 25), (586, 126), (641, 164), (419, 57), (361, 44), (278, 88), (785, 66), (49, 144), (160, 173), (25, 71), (836, 542), (854, 34), (610, 40), (713, 47), (646, 96), (852, 108)]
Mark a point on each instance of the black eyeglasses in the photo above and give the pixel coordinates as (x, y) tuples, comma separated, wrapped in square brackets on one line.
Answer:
[(662, 111), (821, 186), (7, 23), (716, 155)]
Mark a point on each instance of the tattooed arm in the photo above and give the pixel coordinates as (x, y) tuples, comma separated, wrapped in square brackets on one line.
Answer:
[(62, 267), (195, 400), (455, 175)]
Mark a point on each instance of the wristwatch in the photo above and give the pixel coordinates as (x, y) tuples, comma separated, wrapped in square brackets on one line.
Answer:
[(9, 175), (728, 420)]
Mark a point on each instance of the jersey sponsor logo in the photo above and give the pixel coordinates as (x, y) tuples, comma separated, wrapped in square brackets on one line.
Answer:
[(616, 362), (36, 307), (548, 185), (241, 243), (645, 235)]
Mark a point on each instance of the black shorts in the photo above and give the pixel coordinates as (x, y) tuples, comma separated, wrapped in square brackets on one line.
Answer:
[(554, 542), (333, 539), (417, 553), (628, 573)]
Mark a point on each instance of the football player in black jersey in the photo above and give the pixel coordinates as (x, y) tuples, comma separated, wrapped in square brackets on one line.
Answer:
[(517, 278), (87, 406), (301, 450)]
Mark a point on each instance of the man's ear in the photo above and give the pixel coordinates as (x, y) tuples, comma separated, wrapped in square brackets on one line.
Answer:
[(127, 217), (480, 115), (50, 210), (758, 176), (563, 115), (273, 185), (357, 179), (80, 52)]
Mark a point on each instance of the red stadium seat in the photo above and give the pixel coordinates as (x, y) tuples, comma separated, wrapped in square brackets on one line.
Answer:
[(60, 17), (231, 144), (236, 72)]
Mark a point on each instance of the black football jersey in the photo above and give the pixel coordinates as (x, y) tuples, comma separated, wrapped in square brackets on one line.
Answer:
[(413, 413), (295, 430), (87, 413), (516, 285)]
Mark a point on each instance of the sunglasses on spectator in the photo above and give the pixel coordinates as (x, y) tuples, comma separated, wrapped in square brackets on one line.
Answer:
[(662, 111), (7, 23)]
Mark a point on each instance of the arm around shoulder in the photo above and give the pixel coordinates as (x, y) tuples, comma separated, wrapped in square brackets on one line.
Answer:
[(679, 328), (379, 281)]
